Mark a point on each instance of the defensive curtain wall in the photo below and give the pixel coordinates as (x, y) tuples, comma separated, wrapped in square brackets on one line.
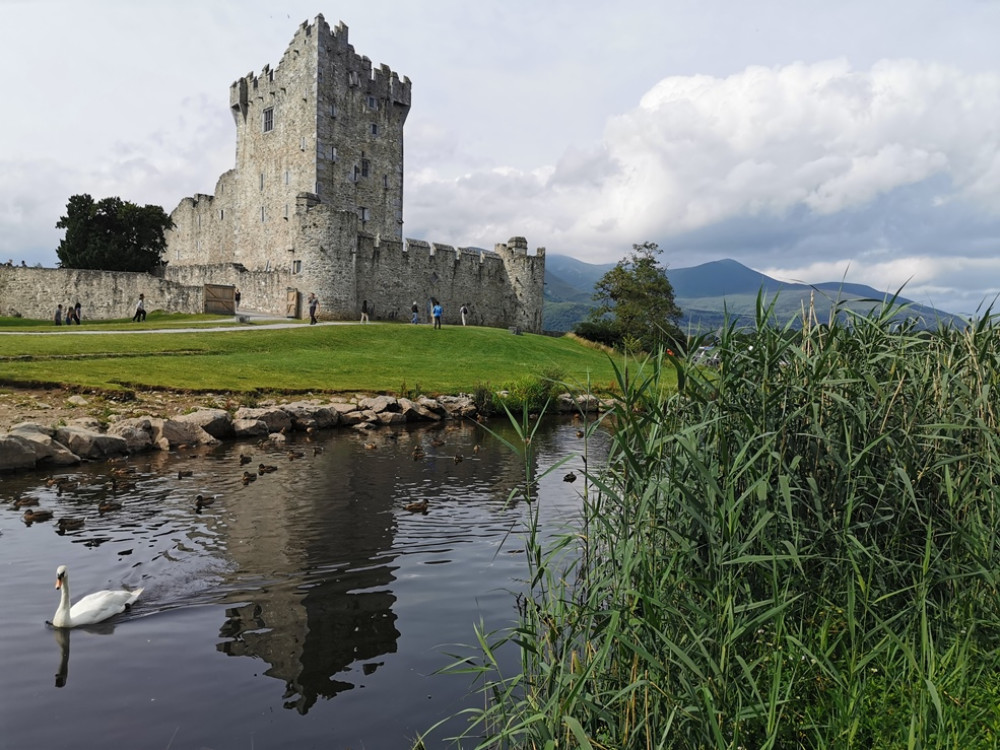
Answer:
[(35, 292)]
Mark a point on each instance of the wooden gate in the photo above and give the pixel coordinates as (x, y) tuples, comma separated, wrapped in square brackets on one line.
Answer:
[(220, 300), (293, 308)]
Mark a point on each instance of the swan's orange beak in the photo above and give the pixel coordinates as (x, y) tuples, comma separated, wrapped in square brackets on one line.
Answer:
[(58, 583)]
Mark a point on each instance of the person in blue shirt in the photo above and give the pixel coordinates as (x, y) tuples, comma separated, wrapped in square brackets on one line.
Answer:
[(436, 312)]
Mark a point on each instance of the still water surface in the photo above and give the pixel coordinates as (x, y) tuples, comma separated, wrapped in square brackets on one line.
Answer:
[(305, 609)]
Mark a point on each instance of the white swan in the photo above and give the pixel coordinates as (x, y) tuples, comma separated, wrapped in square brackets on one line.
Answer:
[(92, 608)]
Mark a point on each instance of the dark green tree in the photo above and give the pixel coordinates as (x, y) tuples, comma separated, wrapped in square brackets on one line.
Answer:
[(636, 305), (112, 235)]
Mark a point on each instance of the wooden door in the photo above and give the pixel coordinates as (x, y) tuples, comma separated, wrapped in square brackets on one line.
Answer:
[(293, 307), (220, 300)]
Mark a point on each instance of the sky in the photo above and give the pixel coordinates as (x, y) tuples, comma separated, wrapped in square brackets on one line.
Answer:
[(807, 139)]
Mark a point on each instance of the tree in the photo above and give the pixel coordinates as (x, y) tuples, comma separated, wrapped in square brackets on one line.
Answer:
[(112, 235), (636, 302)]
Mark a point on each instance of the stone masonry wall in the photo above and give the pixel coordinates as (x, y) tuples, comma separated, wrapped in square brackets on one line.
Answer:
[(35, 292)]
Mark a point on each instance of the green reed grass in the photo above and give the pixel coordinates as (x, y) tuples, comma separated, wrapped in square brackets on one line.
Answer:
[(795, 549)]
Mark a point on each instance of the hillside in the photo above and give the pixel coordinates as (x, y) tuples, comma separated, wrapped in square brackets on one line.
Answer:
[(707, 292)]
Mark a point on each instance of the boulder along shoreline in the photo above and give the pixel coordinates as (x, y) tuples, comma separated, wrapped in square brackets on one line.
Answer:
[(77, 434)]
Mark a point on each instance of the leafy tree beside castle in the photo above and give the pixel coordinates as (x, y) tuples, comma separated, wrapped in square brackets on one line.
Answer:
[(636, 308), (112, 235)]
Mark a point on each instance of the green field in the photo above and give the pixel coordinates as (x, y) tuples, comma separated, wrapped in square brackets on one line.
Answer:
[(385, 357)]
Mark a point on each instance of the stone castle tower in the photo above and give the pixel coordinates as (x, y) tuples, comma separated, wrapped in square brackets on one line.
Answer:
[(315, 202)]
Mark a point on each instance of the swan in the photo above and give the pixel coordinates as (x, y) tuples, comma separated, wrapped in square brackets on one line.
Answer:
[(92, 608)]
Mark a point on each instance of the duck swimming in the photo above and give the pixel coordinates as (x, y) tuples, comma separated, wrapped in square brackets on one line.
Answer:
[(91, 609)]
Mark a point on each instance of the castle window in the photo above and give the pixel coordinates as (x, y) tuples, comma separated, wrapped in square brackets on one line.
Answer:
[(364, 214), (353, 79), (288, 177), (385, 181), (261, 214), (374, 128), (296, 266), (365, 167), (302, 144), (333, 110), (269, 119), (356, 173), (286, 212), (261, 180), (222, 214), (372, 102), (333, 153)]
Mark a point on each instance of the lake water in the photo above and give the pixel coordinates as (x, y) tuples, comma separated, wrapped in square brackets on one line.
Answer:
[(306, 609)]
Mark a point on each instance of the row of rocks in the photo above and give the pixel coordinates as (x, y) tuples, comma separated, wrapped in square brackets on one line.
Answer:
[(30, 445)]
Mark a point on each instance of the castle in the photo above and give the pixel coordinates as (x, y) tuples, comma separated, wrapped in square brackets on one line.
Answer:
[(315, 203)]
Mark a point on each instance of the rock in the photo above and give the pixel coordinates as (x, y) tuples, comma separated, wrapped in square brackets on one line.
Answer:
[(249, 428), (175, 433), (390, 417), (415, 412), (47, 450), (16, 453), (379, 404), (77, 400), (309, 414), (215, 422), (89, 443), (137, 432), (275, 418)]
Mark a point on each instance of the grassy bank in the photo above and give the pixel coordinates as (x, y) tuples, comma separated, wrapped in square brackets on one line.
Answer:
[(394, 358), (796, 550)]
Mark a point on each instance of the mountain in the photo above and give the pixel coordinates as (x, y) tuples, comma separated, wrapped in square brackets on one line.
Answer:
[(707, 292)]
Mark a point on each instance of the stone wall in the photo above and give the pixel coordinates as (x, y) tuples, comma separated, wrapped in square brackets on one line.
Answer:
[(35, 292)]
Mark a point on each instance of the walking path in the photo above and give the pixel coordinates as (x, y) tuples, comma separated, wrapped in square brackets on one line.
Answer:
[(208, 327)]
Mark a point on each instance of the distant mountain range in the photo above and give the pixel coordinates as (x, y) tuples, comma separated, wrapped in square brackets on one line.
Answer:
[(706, 292)]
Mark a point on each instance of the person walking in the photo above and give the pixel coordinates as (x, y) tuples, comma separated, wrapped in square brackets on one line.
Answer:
[(313, 308), (140, 310), (436, 312), (59, 315), (76, 312), (364, 311), (236, 298), (416, 313), (465, 311)]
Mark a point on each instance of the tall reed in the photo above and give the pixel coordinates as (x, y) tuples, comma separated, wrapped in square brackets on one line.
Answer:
[(795, 549)]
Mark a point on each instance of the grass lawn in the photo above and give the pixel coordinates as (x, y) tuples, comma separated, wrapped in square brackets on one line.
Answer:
[(382, 357)]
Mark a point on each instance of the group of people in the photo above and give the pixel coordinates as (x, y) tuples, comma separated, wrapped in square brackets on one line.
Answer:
[(70, 314), (436, 312)]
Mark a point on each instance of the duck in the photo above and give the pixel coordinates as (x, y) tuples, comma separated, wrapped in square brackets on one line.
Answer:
[(266, 469), (245, 459), (25, 502), (249, 476), (69, 524), (370, 446), (417, 506), (91, 609), (475, 449), (202, 502), (107, 506), (34, 516), (459, 458), (185, 473), (292, 455), (418, 453), (571, 477)]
